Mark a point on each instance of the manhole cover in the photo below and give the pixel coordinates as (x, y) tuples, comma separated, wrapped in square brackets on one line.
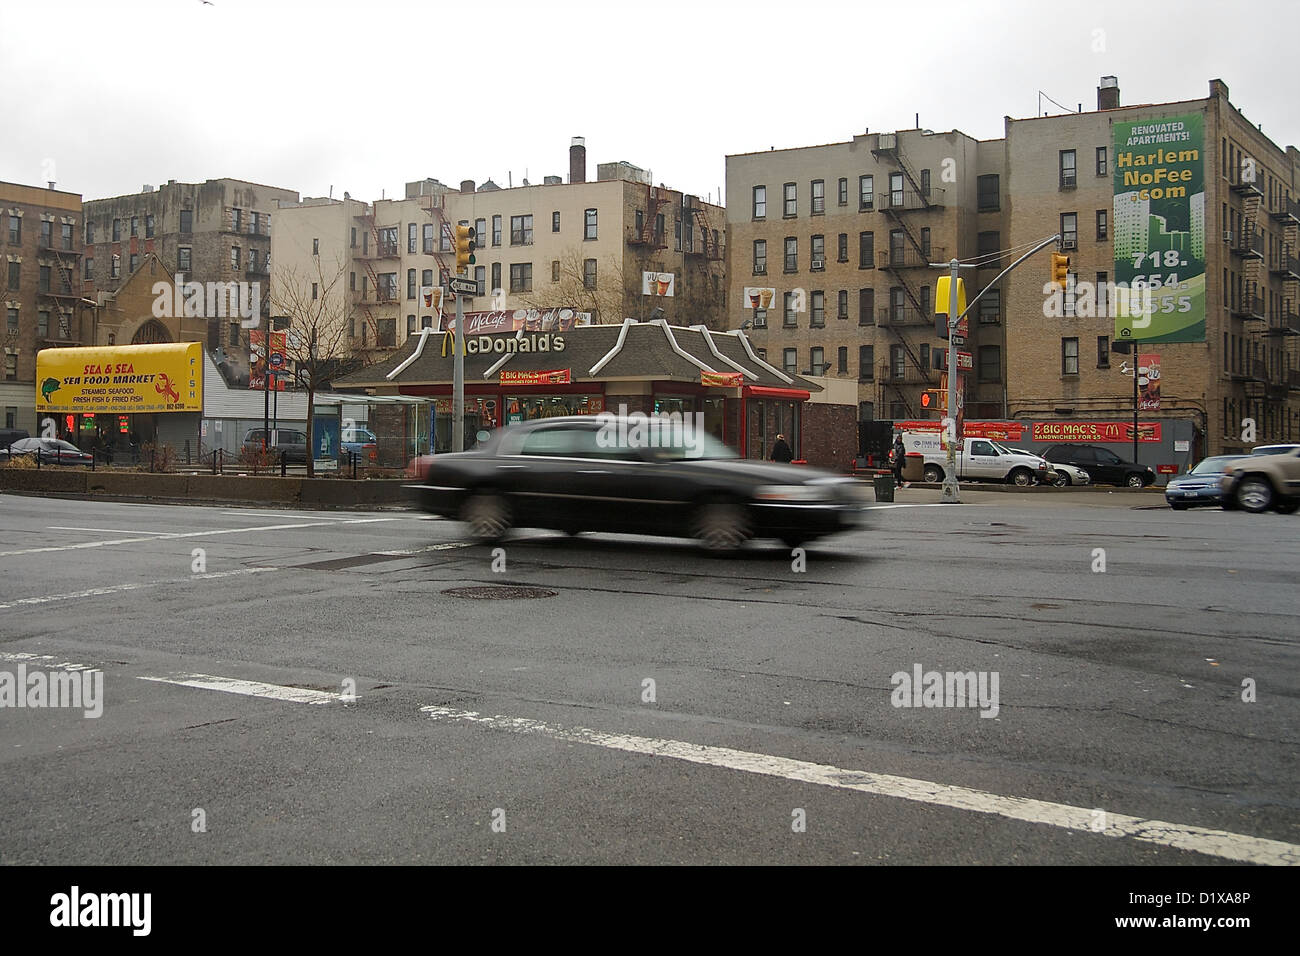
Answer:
[(497, 593)]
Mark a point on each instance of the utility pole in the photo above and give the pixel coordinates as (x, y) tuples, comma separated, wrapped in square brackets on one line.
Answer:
[(458, 380), (951, 490)]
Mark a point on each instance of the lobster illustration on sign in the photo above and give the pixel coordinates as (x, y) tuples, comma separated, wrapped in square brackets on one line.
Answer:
[(165, 387)]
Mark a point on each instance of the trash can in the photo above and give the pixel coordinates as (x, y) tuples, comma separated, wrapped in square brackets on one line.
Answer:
[(884, 487), (914, 466)]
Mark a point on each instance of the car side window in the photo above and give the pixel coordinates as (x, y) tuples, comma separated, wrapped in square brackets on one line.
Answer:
[(982, 448), (553, 442), (1084, 456), (1107, 457)]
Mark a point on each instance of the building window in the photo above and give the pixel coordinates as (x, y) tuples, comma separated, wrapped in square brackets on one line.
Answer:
[(11, 321), (760, 257), (818, 319), (925, 242), (1103, 295), (410, 325), (817, 360), (991, 306), (925, 183), (1069, 356), (988, 193), (315, 247), (790, 319), (555, 270), (589, 224), (43, 279), (234, 258), (1069, 174), (1071, 295), (843, 193), (65, 325), (818, 197), (521, 231), (11, 367), (135, 262), (1069, 230), (818, 253), (135, 227), (426, 277), (187, 222), (842, 304), (791, 254), (896, 190), (46, 240), (236, 220), (866, 307), (43, 324), (555, 222), (90, 267), (410, 283), (90, 233), (496, 277), (444, 241), (496, 230), (117, 229), (842, 360), (760, 318), (521, 276), (1101, 223), (791, 207), (426, 239), (1101, 160), (866, 250), (990, 363), (480, 278), (589, 274), (115, 267), (315, 291), (65, 234), (148, 226), (867, 363), (925, 356), (15, 276), (866, 192), (760, 202), (412, 238), (1103, 351), (842, 248), (790, 359)]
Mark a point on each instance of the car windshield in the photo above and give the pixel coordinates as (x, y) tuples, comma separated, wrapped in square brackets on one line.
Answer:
[(1213, 466), (1004, 450), (61, 445)]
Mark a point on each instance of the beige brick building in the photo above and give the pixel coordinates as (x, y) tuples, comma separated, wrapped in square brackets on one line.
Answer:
[(581, 244), (1059, 179), (845, 234), (40, 242)]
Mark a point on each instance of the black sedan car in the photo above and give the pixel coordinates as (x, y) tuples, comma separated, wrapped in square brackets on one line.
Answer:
[(51, 451), (1103, 466), (601, 474)]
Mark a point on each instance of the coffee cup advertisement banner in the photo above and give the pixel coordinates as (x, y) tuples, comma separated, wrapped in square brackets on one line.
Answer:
[(658, 283), (759, 298)]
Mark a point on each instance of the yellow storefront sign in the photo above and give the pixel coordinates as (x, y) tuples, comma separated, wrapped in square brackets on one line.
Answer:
[(121, 379)]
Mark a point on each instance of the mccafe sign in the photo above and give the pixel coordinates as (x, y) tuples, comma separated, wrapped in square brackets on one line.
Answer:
[(506, 345)]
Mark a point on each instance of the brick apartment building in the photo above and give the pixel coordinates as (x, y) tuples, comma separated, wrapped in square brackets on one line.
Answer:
[(578, 244), (40, 240)]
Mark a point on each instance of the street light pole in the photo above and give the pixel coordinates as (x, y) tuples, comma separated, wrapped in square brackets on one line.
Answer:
[(951, 490), (458, 380)]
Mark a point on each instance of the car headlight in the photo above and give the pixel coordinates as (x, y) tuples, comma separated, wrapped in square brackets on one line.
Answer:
[(790, 493)]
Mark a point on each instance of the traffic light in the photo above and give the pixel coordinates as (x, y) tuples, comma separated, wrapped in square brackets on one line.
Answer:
[(466, 243), (1060, 270), (933, 398)]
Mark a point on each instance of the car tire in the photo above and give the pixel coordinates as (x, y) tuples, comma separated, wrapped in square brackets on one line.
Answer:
[(1254, 494), (721, 527), (794, 541), (933, 474), (1286, 506), (487, 515), (1134, 480), (1062, 480), (1020, 477)]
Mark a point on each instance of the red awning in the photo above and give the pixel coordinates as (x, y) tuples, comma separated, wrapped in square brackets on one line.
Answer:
[(765, 391)]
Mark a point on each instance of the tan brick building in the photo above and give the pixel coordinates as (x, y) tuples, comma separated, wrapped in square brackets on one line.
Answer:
[(582, 244), (40, 241), (845, 234), (1060, 171)]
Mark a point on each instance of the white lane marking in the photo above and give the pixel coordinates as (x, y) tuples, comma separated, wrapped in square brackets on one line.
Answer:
[(448, 546), (114, 589), (1220, 843), (975, 504), (24, 658), (250, 688), (167, 536), (57, 527), (259, 514)]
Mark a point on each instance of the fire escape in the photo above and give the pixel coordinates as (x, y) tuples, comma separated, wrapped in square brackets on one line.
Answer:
[(650, 237), (1284, 323), (379, 244), (61, 288), (907, 193)]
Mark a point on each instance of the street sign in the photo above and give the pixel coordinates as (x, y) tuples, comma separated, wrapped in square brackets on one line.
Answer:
[(965, 361), (462, 286), (277, 359), (959, 340)]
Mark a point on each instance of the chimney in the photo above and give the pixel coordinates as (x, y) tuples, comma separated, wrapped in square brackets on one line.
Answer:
[(466, 186), (1108, 93), (578, 160), (1219, 88)]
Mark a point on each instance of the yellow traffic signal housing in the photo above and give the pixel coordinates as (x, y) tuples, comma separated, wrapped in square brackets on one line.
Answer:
[(1060, 270), (466, 243)]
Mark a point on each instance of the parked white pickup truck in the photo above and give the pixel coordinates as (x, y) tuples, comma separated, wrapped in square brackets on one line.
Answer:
[(978, 458)]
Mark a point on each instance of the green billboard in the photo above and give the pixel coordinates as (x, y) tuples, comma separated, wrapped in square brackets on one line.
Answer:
[(1159, 229)]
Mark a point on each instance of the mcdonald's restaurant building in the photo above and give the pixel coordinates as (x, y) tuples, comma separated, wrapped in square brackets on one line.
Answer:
[(648, 367)]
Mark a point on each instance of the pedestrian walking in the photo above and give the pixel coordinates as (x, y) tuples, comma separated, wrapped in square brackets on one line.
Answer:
[(898, 455), (781, 451)]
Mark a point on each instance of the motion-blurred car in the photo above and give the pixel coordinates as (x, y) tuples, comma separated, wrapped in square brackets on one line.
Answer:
[(1200, 485), (50, 451), (1259, 482), (1103, 466), (1273, 449), (572, 475)]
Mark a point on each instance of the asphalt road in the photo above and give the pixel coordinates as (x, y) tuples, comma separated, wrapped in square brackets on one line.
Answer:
[(526, 730)]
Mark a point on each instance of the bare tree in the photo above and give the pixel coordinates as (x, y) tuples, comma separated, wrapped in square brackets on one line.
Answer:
[(601, 293), (316, 308)]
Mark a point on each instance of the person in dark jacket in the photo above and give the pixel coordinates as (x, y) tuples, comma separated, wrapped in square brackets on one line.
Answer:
[(781, 451), (899, 455)]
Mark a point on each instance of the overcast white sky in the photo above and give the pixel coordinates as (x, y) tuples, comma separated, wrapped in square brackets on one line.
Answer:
[(106, 95)]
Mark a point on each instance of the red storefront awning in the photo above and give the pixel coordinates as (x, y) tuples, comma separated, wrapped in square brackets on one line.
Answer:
[(766, 391)]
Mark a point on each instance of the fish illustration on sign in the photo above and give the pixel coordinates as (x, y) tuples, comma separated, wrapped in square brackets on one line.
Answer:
[(48, 388)]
